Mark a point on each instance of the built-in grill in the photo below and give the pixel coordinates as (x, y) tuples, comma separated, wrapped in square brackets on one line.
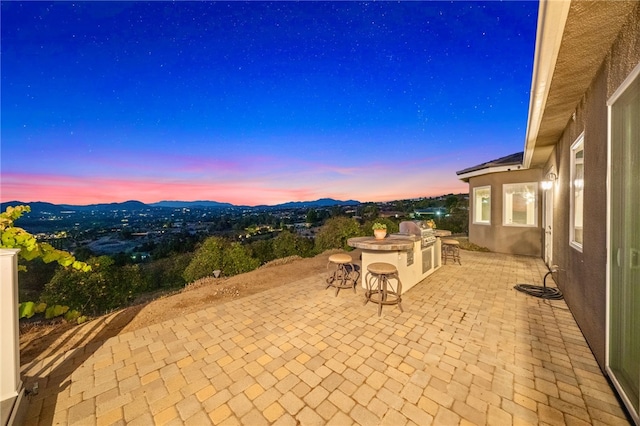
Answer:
[(427, 236), (420, 229)]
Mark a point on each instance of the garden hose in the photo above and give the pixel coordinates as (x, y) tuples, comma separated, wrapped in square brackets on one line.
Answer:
[(542, 292)]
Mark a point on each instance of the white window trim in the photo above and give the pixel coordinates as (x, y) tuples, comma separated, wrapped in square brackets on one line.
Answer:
[(473, 213), (579, 143), (535, 205)]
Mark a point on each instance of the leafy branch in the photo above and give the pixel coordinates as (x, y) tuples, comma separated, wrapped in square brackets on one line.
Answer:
[(12, 236)]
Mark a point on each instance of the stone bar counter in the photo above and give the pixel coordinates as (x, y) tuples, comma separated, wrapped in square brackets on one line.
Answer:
[(413, 262)]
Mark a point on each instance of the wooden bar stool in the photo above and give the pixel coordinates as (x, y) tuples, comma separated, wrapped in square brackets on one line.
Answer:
[(344, 275), (378, 289), (451, 250)]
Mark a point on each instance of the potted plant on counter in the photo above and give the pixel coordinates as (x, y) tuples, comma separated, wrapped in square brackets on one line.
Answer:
[(379, 230)]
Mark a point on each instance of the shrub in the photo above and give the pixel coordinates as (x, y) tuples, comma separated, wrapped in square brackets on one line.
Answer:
[(104, 288), (335, 233), (237, 260), (167, 272), (207, 258), (217, 253), (290, 244), (262, 250)]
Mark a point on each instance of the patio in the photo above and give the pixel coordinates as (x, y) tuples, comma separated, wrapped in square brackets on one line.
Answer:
[(468, 349)]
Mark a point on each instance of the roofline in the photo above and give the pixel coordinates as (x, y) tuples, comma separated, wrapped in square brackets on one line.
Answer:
[(466, 176), (552, 17)]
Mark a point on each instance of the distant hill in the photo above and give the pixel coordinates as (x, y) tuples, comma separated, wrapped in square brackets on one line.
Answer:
[(39, 207), (183, 204), (36, 206), (323, 202), (127, 205)]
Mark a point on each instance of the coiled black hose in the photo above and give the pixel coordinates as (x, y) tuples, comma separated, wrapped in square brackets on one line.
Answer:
[(543, 292)]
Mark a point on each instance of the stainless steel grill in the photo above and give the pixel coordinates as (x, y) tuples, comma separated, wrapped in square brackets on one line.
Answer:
[(420, 229)]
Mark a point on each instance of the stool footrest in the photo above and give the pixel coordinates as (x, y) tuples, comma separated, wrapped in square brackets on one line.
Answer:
[(379, 290), (344, 276)]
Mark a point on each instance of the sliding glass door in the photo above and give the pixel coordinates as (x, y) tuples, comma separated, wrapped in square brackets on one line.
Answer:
[(624, 243)]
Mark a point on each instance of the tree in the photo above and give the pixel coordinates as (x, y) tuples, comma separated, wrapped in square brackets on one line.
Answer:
[(166, 272), (370, 210), (206, 259), (262, 250), (289, 244), (451, 203), (284, 245), (312, 216), (12, 236), (237, 260), (335, 233), (104, 288)]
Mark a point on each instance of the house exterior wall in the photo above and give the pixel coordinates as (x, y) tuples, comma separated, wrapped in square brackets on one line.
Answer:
[(582, 274), (496, 236)]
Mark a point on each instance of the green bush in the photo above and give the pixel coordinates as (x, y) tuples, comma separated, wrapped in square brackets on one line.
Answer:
[(456, 222), (335, 233), (166, 272), (217, 253), (289, 244), (104, 288), (207, 258), (237, 260), (262, 250)]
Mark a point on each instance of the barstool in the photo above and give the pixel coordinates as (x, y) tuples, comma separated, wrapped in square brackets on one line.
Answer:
[(451, 250), (345, 274), (378, 289)]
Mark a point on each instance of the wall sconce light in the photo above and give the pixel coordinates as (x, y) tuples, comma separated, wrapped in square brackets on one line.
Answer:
[(548, 182)]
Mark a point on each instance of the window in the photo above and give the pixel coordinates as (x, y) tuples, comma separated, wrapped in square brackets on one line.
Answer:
[(577, 193), (482, 205), (520, 204)]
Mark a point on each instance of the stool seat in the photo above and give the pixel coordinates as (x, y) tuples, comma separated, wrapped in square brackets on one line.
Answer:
[(378, 289), (451, 250), (340, 258), (344, 275), (381, 268)]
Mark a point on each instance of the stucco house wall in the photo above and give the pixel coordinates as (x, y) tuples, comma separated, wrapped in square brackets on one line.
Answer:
[(582, 274), (522, 240)]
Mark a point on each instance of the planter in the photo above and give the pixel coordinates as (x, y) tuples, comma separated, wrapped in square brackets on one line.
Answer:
[(380, 233)]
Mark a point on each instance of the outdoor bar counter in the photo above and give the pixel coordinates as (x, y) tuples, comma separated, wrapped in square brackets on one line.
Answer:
[(406, 252)]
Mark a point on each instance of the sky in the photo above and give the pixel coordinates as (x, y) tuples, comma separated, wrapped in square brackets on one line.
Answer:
[(256, 103)]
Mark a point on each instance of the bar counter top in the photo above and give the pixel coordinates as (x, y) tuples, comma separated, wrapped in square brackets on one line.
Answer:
[(389, 243)]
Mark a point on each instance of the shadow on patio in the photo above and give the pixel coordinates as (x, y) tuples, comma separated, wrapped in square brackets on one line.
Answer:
[(467, 349)]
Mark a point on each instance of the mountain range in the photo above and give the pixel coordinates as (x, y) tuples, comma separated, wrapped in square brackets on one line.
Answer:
[(137, 205)]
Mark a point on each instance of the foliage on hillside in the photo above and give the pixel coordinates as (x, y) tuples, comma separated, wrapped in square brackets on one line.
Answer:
[(104, 288), (218, 254), (335, 233)]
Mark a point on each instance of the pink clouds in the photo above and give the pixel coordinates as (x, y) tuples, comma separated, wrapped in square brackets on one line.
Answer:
[(379, 182)]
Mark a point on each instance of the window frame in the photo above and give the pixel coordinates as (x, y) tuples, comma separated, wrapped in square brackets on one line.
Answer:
[(505, 195), (576, 146), (475, 206)]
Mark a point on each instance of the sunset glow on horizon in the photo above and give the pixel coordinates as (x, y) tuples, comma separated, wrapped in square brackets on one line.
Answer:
[(258, 103)]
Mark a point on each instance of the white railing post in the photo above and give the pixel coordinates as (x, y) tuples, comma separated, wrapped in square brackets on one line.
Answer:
[(10, 384)]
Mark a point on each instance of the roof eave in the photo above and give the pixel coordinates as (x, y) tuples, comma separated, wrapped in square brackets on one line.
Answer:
[(552, 17), (480, 172)]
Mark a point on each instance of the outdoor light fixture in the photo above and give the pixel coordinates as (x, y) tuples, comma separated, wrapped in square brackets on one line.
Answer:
[(548, 182)]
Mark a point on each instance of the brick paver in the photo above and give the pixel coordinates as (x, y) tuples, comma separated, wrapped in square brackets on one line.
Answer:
[(468, 349)]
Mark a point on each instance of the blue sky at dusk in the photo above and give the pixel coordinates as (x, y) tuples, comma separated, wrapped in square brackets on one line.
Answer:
[(258, 102)]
